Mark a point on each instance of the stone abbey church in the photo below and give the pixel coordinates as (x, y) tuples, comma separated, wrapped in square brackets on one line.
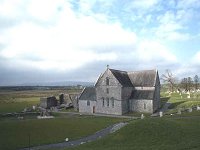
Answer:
[(118, 92)]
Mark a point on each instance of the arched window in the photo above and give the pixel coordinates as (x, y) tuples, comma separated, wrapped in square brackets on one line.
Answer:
[(112, 102), (107, 101), (103, 102), (88, 103), (107, 81)]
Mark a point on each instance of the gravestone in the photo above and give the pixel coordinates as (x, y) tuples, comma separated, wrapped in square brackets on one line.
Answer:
[(142, 116), (190, 110), (179, 111), (161, 114)]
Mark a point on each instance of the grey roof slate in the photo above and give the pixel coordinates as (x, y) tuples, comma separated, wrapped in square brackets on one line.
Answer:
[(142, 94), (122, 77), (89, 93), (144, 78)]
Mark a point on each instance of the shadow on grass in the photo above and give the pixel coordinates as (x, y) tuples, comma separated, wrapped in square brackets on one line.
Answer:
[(164, 99), (174, 105)]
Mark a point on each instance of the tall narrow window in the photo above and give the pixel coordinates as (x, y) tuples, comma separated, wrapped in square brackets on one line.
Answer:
[(107, 90), (88, 103), (107, 101), (113, 102), (107, 81), (103, 102), (145, 106)]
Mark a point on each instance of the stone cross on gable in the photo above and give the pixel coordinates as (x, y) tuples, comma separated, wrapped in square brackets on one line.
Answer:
[(107, 66)]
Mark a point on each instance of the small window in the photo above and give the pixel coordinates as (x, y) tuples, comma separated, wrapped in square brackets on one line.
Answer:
[(107, 90), (107, 101), (113, 102), (88, 103), (107, 81), (103, 102), (145, 106)]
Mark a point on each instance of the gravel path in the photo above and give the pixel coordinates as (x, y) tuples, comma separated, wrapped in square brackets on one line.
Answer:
[(83, 140)]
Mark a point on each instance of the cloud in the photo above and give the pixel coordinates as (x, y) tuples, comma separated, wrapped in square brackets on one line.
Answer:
[(71, 42), (186, 4), (77, 39), (144, 4), (171, 28), (149, 51)]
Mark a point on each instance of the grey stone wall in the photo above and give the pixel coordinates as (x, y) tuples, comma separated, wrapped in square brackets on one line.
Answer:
[(126, 93), (48, 102), (84, 108), (117, 109), (111, 91), (43, 102), (139, 105), (125, 106), (156, 102)]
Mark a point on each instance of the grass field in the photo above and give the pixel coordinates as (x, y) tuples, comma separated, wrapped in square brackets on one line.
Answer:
[(177, 102), (151, 134), (14, 134), (16, 101)]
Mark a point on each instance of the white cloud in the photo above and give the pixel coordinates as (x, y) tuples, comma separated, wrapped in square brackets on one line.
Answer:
[(144, 4), (185, 4), (153, 52), (171, 27), (196, 58), (69, 43)]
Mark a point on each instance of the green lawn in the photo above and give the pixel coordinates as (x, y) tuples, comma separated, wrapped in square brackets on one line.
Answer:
[(151, 134), (14, 134), (18, 104), (177, 102), (16, 101)]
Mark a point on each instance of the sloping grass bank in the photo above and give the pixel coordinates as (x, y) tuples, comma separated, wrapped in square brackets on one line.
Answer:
[(15, 134), (151, 134)]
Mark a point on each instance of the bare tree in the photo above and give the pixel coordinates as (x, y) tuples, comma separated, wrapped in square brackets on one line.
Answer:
[(169, 78), (196, 81)]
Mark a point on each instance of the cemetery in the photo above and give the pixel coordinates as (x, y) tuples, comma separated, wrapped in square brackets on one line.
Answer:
[(167, 127)]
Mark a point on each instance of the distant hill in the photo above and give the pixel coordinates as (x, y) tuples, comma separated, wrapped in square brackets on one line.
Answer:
[(56, 83)]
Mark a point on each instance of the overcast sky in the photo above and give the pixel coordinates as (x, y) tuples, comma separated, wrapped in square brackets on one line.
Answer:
[(62, 40)]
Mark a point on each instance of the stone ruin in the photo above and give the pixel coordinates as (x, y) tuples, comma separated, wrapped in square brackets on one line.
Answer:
[(68, 100), (48, 102)]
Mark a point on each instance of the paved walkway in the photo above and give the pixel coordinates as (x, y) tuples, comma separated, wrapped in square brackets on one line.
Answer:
[(90, 138)]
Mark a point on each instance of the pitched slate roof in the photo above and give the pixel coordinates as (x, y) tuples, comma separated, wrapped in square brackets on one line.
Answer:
[(122, 77), (88, 93), (144, 78), (142, 94)]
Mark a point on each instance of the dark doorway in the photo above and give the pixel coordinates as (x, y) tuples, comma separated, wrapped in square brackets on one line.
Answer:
[(93, 109)]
